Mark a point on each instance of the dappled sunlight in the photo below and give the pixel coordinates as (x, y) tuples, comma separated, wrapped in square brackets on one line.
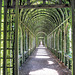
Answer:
[(41, 53), (42, 62), (50, 62), (42, 57), (41, 46), (44, 71)]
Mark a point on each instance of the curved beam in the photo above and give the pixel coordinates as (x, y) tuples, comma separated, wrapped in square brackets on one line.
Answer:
[(41, 32)]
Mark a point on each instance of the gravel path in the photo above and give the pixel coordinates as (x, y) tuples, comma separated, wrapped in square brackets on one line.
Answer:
[(43, 62)]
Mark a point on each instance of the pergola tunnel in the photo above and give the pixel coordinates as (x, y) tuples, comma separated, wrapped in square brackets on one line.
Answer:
[(26, 24)]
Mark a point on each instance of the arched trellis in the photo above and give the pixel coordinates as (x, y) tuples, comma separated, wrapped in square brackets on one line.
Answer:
[(44, 2), (30, 20), (40, 33), (42, 11), (16, 12), (42, 14), (31, 11)]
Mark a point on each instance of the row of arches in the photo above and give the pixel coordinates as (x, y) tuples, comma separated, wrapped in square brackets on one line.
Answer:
[(23, 22), (60, 43)]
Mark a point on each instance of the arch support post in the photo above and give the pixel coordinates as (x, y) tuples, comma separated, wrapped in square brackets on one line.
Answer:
[(0, 33), (73, 36), (5, 38), (16, 39)]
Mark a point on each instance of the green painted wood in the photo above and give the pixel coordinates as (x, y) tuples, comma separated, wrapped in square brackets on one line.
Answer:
[(28, 2), (54, 40), (64, 43), (9, 53), (23, 47), (71, 61), (58, 38), (50, 13), (43, 6), (60, 1), (26, 15), (28, 29), (5, 38), (58, 42), (73, 36), (16, 38), (60, 25), (28, 39), (0, 33), (44, 1), (62, 56)]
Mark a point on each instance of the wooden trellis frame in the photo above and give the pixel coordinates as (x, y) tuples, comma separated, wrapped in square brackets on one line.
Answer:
[(73, 35), (16, 8)]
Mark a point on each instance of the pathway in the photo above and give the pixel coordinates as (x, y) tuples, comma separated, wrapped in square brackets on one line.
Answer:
[(43, 62)]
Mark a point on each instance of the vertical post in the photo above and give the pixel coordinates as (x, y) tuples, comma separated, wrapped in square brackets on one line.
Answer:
[(58, 44), (13, 45), (25, 39), (44, 41), (50, 41), (16, 39), (60, 1), (47, 42), (9, 43), (28, 39), (54, 40), (28, 2), (0, 33), (44, 1), (62, 56), (35, 41), (73, 36), (23, 46), (58, 39), (64, 43), (5, 37)]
